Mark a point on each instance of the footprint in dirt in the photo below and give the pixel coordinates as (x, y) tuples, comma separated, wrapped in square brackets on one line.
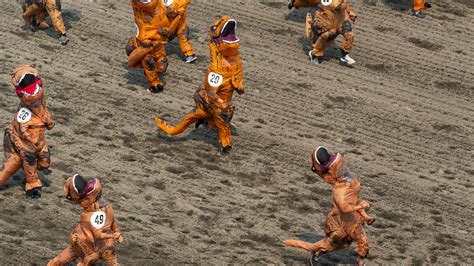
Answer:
[(338, 102), (449, 8), (177, 170), (158, 184), (467, 3), (63, 167), (425, 44), (446, 127), (396, 217), (397, 5), (62, 115), (381, 28), (455, 87), (276, 5), (382, 68)]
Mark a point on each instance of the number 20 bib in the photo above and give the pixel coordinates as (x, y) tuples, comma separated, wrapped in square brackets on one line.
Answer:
[(167, 2), (214, 79)]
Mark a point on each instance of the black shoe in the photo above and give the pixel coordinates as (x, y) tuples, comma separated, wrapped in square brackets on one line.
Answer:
[(428, 5), (200, 122), (226, 150), (34, 193), (157, 89), (63, 39), (290, 4), (315, 59), (314, 260), (34, 27), (419, 14)]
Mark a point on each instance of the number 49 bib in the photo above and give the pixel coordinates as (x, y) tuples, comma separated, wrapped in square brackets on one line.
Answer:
[(98, 219)]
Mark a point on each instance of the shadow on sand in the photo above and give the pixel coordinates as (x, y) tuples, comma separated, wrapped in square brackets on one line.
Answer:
[(343, 256), (203, 133)]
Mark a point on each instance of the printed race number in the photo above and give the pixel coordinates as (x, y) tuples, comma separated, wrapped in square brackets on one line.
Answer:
[(98, 219), (24, 115), (326, 2), (167, 2), (214, 79)]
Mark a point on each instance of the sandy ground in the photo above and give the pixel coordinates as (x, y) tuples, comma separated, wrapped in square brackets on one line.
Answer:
[(404, 114)]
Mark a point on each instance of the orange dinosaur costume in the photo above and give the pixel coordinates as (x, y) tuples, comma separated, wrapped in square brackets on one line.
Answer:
[(36, 11), (147, 48), (24, 143), (176, 13), (93, 238), (419, 6), (333, 18), (213, 99), (346, 220)]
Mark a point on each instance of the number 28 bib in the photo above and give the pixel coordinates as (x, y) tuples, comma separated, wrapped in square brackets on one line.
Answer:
[(24, 115)]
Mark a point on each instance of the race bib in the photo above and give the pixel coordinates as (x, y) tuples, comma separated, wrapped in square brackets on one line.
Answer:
[(137, 31), (214, 79), (98, 219), (167, 2), (326, 2), (24, 115)]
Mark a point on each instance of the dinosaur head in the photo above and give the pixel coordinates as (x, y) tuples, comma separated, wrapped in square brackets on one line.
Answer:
[(146, 4), (224, 37), (327, 165), (82, 191), (28, 84)]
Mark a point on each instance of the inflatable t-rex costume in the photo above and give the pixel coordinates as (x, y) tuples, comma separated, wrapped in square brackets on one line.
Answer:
[(213, 99), (419, 6), (346, 220), (36, 11), (93, 238), (147, 48), (24, 143), (333, 17), (177, 14)]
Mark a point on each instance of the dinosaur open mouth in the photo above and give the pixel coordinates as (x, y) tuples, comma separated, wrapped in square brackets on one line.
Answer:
[(83, 187), (29, 84), (145, 2), (228, 32)]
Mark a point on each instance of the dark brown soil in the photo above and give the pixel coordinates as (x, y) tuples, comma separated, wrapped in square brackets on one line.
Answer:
[(404, 113)]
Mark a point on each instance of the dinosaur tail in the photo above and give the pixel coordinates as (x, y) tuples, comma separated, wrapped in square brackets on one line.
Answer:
[(300, 244), (135, 57)]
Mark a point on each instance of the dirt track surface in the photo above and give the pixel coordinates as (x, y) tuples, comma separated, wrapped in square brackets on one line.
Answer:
[(404, 113)]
